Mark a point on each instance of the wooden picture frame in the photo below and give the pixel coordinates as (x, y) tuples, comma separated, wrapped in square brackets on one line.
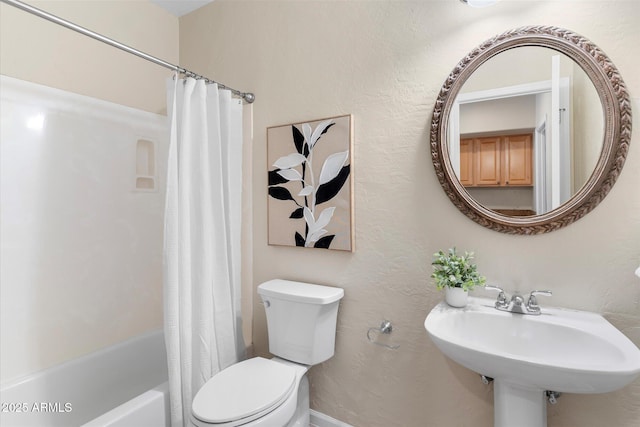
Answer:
[(310, 189)]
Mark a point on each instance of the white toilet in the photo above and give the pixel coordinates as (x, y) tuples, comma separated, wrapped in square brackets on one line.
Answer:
[(301, 322)]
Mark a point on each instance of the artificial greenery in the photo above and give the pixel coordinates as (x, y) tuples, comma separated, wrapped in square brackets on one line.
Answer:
[(455, 271)]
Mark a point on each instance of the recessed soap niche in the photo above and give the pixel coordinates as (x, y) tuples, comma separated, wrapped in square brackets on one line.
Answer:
[(145, 177)]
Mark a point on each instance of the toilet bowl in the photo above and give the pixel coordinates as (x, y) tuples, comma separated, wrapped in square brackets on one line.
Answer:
[(301, 323), (252, 393)]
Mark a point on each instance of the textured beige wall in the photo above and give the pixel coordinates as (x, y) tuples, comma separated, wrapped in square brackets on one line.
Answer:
[(384, 62), (42, 52), (35, 50)]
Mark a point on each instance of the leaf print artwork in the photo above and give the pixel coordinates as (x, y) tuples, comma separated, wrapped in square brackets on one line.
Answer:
[(310, 186)]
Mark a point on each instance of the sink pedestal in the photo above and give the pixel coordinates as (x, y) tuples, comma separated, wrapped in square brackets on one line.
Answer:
[(517, 405)]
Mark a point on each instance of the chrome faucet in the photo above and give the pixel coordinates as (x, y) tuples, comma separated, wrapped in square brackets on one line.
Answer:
[(501, 302), (532, 303), (516, 303)]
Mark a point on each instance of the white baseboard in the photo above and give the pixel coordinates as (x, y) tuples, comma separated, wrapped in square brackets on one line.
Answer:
[(319, 419)]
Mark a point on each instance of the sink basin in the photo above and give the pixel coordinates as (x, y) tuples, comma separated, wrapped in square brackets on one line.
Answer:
[(560, 350)]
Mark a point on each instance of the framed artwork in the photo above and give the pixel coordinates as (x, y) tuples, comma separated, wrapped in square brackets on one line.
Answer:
[(310, 202)]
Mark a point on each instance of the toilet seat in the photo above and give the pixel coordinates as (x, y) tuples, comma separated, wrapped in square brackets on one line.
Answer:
[(244, 392)]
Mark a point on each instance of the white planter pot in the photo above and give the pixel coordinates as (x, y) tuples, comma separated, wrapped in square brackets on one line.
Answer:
[(456, 297)]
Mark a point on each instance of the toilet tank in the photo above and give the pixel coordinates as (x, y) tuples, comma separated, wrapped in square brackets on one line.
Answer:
[(301, 319)]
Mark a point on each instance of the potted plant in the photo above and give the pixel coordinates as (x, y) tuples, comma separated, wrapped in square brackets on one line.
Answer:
[(457, 274)]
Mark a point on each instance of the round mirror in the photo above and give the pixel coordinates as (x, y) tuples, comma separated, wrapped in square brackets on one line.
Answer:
[(530, 130)]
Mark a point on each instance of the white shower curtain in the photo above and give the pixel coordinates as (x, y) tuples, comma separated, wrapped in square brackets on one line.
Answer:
[(202, 319)]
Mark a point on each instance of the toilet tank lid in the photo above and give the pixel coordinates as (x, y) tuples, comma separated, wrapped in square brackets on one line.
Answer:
[(300, 292)]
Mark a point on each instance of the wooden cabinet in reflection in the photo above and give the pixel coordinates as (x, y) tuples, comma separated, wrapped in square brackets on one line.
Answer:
[(496, 161)]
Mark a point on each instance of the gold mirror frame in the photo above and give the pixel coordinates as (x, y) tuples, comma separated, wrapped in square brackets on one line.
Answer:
[(617, 128)]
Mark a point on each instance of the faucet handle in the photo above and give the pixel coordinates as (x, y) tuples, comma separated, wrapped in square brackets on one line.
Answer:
[(532, 303), (502, 297)]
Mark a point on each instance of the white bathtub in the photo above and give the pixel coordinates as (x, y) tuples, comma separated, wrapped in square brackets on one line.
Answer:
[(121, 386)]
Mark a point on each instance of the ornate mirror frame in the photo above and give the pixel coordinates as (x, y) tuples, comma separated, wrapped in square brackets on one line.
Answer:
[(617, 128)]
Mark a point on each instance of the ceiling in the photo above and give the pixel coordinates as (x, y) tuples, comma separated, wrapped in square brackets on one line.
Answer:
[(180, 7)]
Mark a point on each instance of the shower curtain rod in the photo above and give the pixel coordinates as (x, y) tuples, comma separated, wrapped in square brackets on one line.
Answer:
[(246, 96)]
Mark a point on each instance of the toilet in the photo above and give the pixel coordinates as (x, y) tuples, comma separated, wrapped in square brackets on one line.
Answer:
[(301, 322)]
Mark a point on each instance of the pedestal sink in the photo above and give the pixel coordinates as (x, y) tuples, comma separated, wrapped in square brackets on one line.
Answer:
[(560, 350)]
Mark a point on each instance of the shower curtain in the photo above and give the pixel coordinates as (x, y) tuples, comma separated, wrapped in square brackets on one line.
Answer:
[(202, 319)]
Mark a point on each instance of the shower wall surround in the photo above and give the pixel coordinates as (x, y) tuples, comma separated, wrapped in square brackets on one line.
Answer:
[(81, 240), (123, 298), (384, 62), (39, 51)]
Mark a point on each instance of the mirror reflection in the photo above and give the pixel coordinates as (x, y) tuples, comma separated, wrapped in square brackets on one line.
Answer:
[(526, 131)]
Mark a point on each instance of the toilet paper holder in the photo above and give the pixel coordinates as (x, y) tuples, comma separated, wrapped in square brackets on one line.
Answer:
[(385, 328)]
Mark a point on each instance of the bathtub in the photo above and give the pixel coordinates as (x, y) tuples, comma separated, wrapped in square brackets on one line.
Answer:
[(124, 385)]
